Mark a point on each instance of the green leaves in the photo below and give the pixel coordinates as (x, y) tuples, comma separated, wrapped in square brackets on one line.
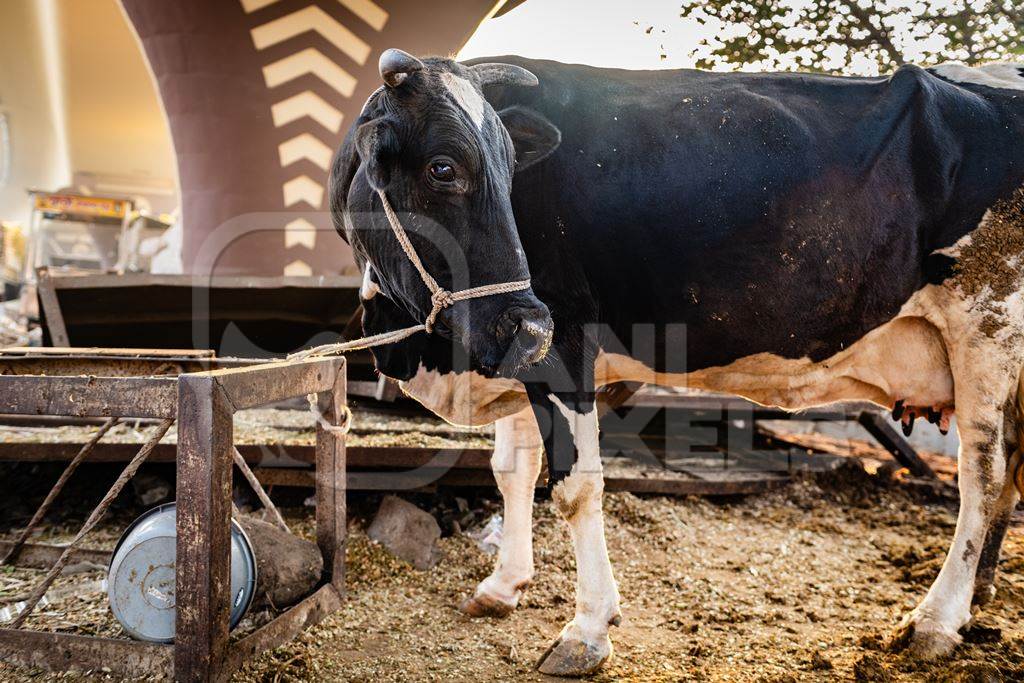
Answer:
[(854, 36)]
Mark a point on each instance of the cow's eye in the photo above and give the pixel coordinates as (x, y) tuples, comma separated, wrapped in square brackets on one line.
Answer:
[(442, 171)]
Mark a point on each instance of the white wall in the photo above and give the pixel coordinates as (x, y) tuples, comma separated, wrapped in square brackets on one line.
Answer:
[(117, 132), (80, 103), (37, 156)]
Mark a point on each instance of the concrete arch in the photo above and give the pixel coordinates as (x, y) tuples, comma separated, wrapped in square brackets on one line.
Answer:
[(255, 91)]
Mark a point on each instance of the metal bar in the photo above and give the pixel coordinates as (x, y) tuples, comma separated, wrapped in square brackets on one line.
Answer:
[(887, 437), (312, 610), (89, 396), (61, 651), (51, 308), (330, 480), (257, 488), (203, 555), (94, 517), (42, 555), (258, 385), (55, 491)]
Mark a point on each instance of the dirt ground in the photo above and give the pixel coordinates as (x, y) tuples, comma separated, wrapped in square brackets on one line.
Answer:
[(803, 584)]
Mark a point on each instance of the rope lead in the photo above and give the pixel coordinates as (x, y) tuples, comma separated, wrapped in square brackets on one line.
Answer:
[(440, 299)]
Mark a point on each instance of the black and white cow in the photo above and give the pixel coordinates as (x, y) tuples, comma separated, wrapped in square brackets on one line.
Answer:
[(820, 239)]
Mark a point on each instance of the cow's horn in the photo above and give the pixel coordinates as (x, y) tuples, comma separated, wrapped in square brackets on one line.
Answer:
[(503, 74), (395, 65)]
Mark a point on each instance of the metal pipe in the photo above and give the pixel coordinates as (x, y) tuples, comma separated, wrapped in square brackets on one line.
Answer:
[(94, 518), (257, 488), (12, 552)]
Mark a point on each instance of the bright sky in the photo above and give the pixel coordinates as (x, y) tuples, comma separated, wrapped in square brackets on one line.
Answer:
[(613, 33), (593, 32)]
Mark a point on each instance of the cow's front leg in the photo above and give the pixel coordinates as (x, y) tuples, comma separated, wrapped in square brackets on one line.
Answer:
[(516, 464), (577, 485), (932, 629)]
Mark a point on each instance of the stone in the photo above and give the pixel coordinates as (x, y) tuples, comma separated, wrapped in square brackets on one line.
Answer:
[(406, 532)]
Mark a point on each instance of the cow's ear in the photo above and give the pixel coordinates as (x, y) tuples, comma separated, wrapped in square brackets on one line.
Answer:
[(377, 145), (534, 137)]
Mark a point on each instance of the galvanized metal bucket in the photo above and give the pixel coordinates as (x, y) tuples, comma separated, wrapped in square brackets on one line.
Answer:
[(140, 582)]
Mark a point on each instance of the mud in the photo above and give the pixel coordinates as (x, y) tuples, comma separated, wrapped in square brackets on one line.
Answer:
[(992, 257), (806, 584)]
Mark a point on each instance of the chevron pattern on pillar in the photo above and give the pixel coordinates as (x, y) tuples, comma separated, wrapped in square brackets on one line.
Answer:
[(306, 29)]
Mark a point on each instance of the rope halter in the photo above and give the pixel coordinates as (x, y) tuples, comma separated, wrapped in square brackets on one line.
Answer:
[(440, 298)]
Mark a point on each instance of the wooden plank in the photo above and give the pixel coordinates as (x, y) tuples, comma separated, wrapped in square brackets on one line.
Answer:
[(330, 481), (203, 282), (745, 484), (203, 559), (114, 363), (876, 425), (63, 651), (731, 404), (695, 487), (89, 396), (95, 351), (358, 457), (387, 389), (614, 395)]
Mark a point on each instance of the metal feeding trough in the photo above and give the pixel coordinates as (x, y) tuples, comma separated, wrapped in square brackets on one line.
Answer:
[(201, 396), (140, 583)]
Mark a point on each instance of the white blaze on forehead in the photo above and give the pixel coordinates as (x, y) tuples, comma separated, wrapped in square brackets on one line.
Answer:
[(466, 96)]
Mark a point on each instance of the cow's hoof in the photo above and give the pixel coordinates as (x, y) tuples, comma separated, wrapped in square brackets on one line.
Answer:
[(485, 605), (571, 656), (923, 639)]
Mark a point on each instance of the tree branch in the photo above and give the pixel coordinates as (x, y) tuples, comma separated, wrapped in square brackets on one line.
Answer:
[(880, 33)]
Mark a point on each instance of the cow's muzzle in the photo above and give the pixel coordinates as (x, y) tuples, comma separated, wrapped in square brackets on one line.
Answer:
[(527, 332)]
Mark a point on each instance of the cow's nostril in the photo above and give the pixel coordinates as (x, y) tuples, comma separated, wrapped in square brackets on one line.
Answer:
[(537, 339), (527, 332)]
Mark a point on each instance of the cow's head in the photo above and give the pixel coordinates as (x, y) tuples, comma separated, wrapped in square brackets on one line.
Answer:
[(445, 159)]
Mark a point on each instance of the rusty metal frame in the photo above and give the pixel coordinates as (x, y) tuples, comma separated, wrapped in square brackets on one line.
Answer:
[(203, 403)]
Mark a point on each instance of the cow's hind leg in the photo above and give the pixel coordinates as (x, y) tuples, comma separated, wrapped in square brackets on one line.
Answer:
[(984, 580), (516, 464), (984, 382), (574, 464)]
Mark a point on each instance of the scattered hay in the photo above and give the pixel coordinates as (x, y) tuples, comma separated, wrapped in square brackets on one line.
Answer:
[(778, 587)]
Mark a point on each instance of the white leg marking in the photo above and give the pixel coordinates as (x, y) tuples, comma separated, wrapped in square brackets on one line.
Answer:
[(983, 384), (984, 579), (516, 464), (578, 498)]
